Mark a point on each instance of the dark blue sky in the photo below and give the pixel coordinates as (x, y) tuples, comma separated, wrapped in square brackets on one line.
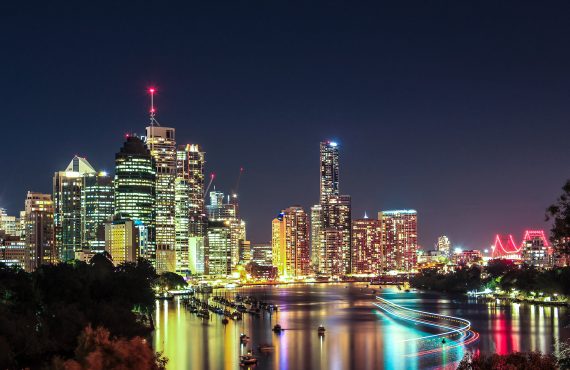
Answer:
[(457, 109)]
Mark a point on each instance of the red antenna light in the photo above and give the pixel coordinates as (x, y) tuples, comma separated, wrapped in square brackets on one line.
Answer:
[(152, 110)]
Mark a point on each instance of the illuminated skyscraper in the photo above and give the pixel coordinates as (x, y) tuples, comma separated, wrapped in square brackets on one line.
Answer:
[(399, 239), (190, 167), (162, 145), (316, 229), (9, 224), (335, 210), (329, 170), (191, 220), (367, 246), (40, 247), (67, 187), (218, 256), (135, 191), (290, 240), (97, 207)]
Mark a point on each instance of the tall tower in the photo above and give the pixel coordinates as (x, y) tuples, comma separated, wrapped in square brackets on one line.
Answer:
[(290, 236), (135, 192), (316, 229), (97, 207), (399, 239), (190, 167), (40, 248), (329, 170), (162, 145), (67, 188)]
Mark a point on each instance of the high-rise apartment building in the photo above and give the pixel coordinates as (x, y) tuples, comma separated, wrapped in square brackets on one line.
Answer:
[(97, 208), (135, 192), (331, 262), (262, 254), (366, 246), (290, 237), (40, 246), (399, 239), (67, 188), (535, 250), (162, 145), (337, 216)]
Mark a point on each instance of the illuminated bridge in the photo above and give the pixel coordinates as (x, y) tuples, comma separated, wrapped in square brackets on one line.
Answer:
[(449, 331)]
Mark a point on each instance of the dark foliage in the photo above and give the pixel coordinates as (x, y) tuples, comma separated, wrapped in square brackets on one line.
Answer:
[(460, 281), (43, 313), (559, 212), (511, 361)]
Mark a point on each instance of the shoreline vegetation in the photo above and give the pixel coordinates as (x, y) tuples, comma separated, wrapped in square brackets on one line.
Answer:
[(79, 315), (500, 280)]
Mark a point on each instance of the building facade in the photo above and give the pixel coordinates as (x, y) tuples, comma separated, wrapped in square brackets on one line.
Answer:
[(367, 246), (399, 239), (97, 208), (135, 192), (290, 238), (161, 143), (121, 241), (39, 231)]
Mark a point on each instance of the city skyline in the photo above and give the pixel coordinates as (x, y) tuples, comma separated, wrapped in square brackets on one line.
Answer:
[(477, 150)]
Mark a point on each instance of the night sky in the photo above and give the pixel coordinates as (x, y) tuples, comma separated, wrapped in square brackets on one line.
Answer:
[(457, 109)]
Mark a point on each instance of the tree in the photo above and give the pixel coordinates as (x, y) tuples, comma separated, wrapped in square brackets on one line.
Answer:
[(498, 267), (169, 280), (559, 212), (97, 351), (511, 361)]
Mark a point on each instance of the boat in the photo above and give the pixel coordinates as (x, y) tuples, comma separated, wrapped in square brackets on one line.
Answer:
[(247, 359), (443, 341), (225, 321), (406, 287), (277, 328), (321, 330), (243, 338)]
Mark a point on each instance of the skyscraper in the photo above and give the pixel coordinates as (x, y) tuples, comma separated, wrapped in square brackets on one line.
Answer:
[(335, 215), (162, 145), (290, 239), (399, 239), (191, 220), (67, 188), (135, 191), (316, 229), (40, 247), (367, 246), (97, 207), (218, 256), (329, 170)]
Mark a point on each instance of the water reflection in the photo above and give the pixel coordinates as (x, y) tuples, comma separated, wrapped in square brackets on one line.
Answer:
[(358, 336)]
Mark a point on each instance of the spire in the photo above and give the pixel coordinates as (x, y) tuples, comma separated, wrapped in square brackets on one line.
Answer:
[(365, 215), (153, 121)]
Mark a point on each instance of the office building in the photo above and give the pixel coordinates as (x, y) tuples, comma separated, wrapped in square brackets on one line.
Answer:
[(443, 246), (67, 188), (162, 146), (218, 256), (97, 208), (135, 192)]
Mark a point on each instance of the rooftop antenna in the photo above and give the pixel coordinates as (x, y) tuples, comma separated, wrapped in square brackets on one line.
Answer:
[(153, 121)]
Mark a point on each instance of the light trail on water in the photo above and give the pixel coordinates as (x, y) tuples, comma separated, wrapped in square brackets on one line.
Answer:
[(454, 326)]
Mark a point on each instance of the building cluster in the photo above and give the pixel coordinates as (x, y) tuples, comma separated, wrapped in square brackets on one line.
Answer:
[(153, 207), (329, 242)]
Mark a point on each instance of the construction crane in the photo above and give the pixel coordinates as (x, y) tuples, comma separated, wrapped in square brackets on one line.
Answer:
[(236, 188), (212, 176)]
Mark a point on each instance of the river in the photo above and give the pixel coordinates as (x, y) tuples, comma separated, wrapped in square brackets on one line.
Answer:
[(358, 334)]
